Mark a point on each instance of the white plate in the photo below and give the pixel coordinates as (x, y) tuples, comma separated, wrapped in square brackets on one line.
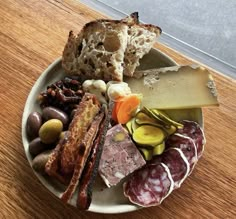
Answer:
[(104, 200)]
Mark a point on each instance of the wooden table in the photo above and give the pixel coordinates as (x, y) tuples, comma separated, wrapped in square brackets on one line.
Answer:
[(33, 34)]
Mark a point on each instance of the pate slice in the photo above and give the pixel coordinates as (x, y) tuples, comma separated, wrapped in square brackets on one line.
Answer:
[(120, 156)]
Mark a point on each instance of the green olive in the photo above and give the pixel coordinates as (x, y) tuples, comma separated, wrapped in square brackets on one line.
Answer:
[(50, 131)]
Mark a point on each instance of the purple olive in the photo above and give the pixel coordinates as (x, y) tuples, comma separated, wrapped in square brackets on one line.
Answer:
[(40, 161), (36, 146), (33, 124), (55, 113)]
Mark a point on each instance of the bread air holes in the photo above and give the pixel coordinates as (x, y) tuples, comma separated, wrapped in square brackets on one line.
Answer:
[(140, 32), (141, 43), (99, 55), (109, 64), (79, 50), (111, 42), (91, 63)]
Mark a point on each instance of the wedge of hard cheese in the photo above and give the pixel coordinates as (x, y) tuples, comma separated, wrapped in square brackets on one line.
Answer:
[(175, 87)]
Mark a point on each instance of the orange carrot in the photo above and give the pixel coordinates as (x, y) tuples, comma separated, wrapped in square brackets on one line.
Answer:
[(116, 108), (126, 107)]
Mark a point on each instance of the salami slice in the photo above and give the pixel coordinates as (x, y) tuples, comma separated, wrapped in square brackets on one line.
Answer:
[(186, 145), (177, 163), (150, 185), (194, 131)]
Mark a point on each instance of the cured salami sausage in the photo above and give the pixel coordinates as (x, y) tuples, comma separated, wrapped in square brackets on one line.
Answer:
[(177, 163), (194, 131), (186, 145), (150, 185)]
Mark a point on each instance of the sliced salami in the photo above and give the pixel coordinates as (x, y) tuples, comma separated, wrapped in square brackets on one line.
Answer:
[(186, 145), (177, 163), (150, 185), (194, 131)]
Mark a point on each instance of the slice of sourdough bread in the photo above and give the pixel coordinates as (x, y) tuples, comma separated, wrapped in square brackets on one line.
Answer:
[(109, 49), (97, 51), (141, 38)]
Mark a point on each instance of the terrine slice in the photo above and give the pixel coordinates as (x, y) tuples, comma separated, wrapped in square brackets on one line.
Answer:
[(120, 156)]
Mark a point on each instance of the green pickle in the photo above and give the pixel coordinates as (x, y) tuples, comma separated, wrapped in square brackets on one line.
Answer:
[(128, 126), (158, 149), (165, 118), (147, 154)]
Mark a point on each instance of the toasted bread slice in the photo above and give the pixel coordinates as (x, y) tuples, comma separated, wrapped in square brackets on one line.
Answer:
[(98, 50), (141, 38), (62, 161), (85, 114), (109, 49)]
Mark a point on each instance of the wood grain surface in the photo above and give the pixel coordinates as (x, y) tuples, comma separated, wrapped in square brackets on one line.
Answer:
[(32, 35)]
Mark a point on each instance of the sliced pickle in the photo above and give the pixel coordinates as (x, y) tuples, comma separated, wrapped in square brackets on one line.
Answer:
[(165, 118), (128, 126), (142, 118), (147, 154), (152, 115), (158, 149), (171, 130), (134, 125), (148, 135)]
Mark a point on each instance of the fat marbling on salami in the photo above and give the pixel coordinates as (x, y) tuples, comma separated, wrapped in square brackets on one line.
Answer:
[(149, 186), (177, 163), (193, 130), (186, 145)]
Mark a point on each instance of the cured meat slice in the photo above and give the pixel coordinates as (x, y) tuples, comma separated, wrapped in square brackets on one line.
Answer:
[(187, 146), (120, 156), (194, 131), (177, 163), (149, 186)]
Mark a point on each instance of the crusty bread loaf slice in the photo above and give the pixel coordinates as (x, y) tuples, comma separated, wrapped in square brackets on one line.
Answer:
[(141, 38), (109, 49), (97, 51)]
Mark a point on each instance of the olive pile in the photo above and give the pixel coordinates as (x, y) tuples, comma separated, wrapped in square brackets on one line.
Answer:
[(44, 131)]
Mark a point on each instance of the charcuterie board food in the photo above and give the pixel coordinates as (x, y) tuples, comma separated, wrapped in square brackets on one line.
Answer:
[(115, 125)]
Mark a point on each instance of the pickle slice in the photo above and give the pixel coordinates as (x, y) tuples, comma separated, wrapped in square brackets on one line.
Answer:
[(128, 126), (142, 118), (148, 135), (147, 154), (165, 118), (158, 149)]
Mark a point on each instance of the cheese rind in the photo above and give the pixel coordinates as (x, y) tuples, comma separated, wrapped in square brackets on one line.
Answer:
[(175, 87)]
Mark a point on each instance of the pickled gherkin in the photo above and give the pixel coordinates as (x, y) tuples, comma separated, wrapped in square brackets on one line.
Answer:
[(158, 149), (147, 154), (148, 135)]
